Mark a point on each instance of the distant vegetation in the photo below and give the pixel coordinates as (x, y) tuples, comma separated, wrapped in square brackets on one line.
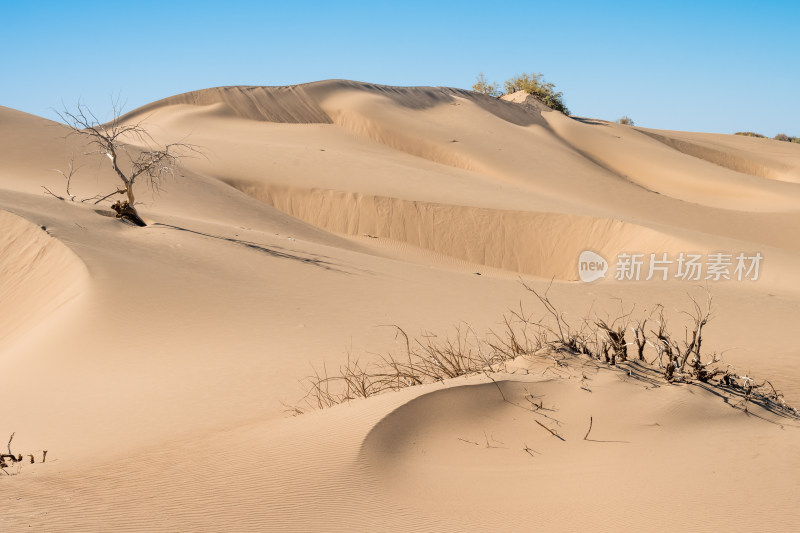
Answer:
[(483, 86), (625, 120), (778, 137), (784, 137), (531, 83)]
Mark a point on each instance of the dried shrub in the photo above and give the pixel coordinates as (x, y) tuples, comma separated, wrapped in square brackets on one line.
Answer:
[(430, 358)]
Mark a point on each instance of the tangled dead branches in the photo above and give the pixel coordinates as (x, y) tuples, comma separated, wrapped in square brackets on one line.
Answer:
[(9, 459), (431, 358)]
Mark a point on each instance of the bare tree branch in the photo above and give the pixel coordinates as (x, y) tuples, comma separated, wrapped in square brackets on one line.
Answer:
[(131, 150)]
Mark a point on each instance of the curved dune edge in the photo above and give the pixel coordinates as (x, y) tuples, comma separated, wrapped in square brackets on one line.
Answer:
[(38, 274), (697, 178), (539, 244), (363, 126), (287, 105), (727, 160), (301, 104), (461, 451)]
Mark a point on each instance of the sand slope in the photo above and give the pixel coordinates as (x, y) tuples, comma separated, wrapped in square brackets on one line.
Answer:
[(154, 364), (38, 274)]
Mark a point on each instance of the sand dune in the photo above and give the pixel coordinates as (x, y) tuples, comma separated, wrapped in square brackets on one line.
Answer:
[(156, 364), (535, 243), (755, 164), (453, 449), (38, 274)]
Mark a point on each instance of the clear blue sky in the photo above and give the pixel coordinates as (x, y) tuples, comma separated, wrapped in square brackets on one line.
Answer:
[(698, 66)]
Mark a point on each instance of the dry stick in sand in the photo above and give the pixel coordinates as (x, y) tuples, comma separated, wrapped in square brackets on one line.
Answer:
[(494, 439), (496, 384), (552, 432), (586, 437), (9, 456), (527, 449)]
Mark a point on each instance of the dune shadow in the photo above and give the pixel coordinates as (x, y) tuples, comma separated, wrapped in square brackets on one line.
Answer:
[(421, 98), (729, 395), (734, 396), (729, 160), (591, 121), (643, 373)]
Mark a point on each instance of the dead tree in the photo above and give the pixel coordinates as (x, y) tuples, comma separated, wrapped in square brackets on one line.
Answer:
[(133, 154), (126, 211), (666, 347), (68, 175), (9, 456), (616, 336), (561, 331), (678, 356), (640, 338), (692, 346)]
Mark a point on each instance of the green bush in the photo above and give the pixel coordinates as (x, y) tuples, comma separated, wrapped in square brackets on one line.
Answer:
[(483, 86), (534, 84), (750, 134)]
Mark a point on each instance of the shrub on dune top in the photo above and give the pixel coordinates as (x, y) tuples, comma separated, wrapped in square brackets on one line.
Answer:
[(533, 84), (778, 137), (536, 85), (483, 86), (677, 356), (786, 138)]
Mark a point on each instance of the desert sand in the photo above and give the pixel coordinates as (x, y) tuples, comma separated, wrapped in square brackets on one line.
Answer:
[(158, 366)]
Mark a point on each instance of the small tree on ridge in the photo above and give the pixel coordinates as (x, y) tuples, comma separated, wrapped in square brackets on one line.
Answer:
[(483, 86)]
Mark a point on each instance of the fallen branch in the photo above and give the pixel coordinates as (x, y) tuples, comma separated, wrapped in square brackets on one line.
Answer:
[(551, 431), (530, 451)]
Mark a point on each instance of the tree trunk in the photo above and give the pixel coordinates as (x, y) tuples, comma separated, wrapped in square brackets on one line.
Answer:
[(128, 212)]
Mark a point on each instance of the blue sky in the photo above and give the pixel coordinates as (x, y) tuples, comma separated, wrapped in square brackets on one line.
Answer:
[(697, 66)]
